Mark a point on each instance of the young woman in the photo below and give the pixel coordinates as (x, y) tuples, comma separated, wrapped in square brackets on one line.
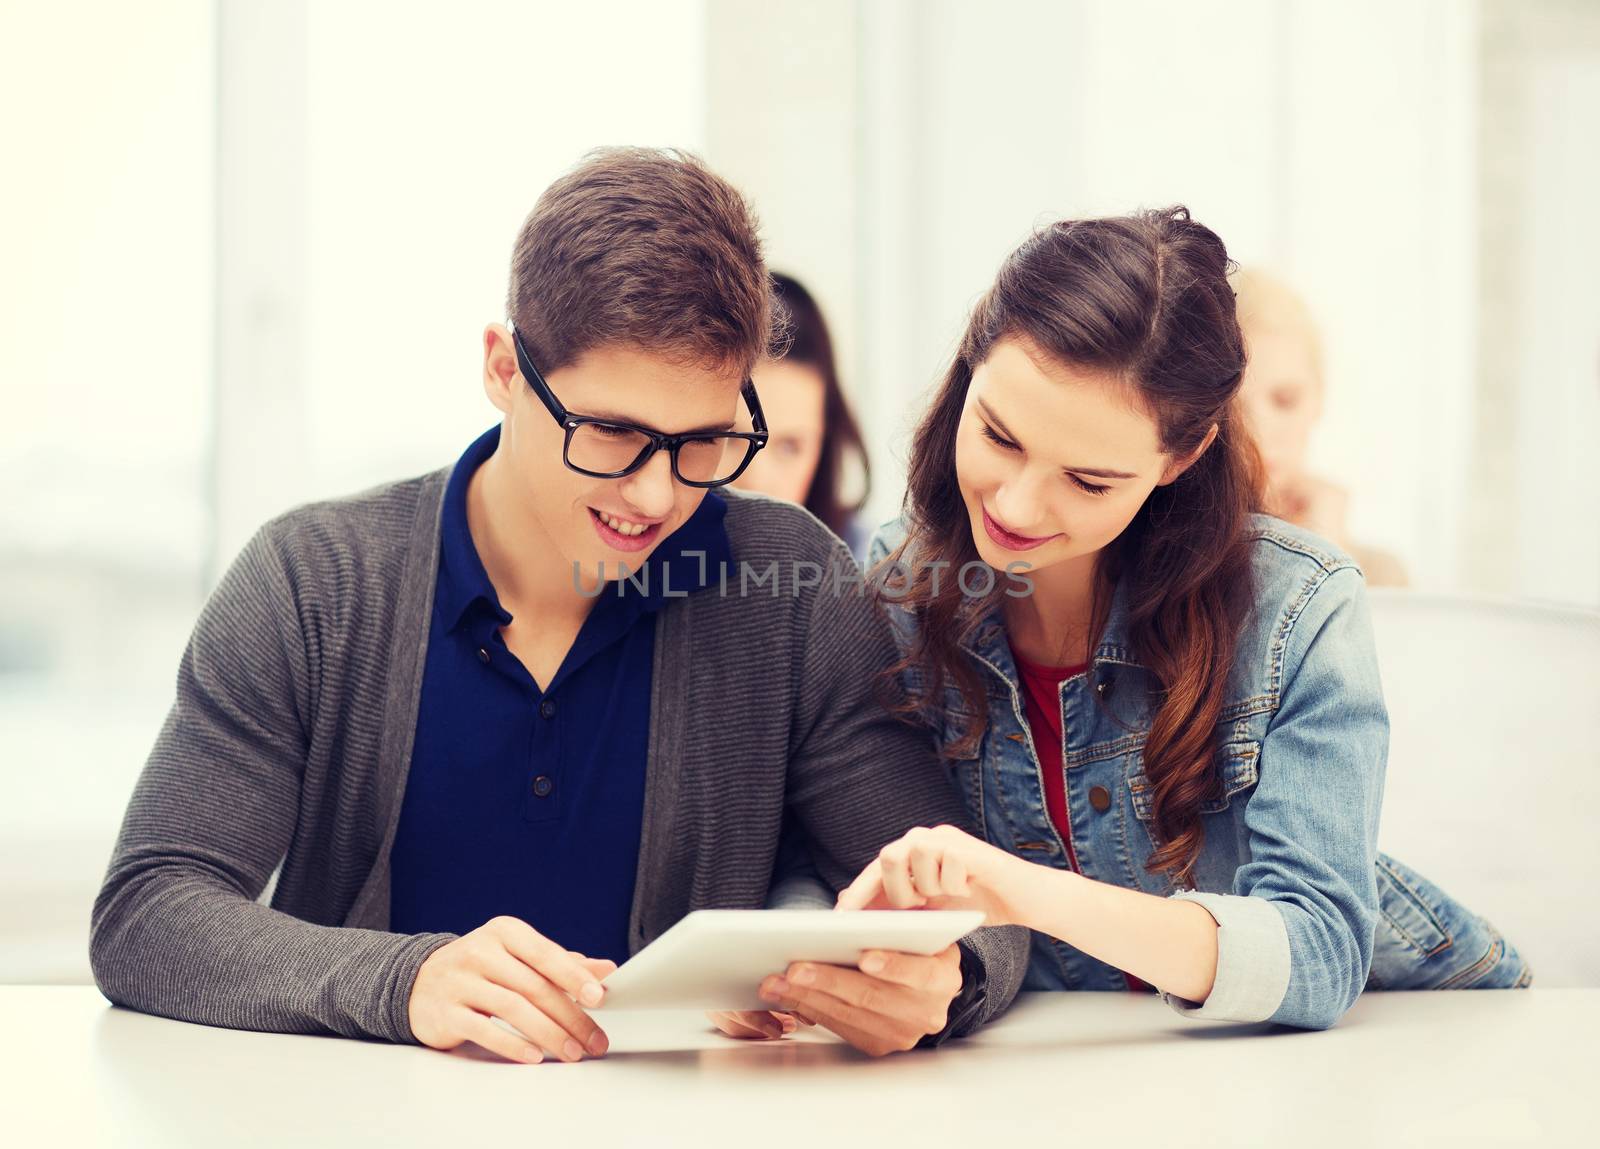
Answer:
[(1173, 737), (814, 456)]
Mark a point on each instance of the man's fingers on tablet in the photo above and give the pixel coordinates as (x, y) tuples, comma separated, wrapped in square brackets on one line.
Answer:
[(893, 967), (566, 1013), (872, 1033), (553, 961), (504, 968), (601, 968), (866, 992), (914, 971), (725, 1023), (755, 1025), (534, 1024), (507, 971), (769, 1023)]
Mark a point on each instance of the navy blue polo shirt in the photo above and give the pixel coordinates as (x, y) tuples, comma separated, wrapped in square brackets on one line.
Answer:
[(528, 802)]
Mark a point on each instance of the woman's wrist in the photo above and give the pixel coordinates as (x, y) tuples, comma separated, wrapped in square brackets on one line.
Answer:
[(1036, 896), (1066, 903)]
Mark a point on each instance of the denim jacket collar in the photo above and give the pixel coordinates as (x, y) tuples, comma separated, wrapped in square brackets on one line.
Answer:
[(988, 642)]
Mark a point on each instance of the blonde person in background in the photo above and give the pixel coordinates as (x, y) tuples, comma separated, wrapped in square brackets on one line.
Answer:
[(1281, 399)]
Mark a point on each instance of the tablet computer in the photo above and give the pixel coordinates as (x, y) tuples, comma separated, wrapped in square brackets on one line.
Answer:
[(716, 959)]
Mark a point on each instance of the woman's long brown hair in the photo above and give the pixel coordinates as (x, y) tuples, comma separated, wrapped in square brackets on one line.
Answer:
[(1144, 298)]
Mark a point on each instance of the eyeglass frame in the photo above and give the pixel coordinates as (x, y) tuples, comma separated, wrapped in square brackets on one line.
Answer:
[(658, 441)]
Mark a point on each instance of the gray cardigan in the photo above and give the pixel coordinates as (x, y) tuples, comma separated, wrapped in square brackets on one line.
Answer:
[(290, 739)]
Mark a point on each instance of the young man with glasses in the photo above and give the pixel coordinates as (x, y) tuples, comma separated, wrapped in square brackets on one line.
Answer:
[(500, 726)]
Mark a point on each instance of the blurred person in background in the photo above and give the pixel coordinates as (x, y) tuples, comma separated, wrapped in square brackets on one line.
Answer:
[(814, 440), (1281, 399)]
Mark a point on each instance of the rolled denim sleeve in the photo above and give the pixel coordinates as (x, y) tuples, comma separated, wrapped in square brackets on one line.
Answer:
[(1295, 934), (1253, 959)]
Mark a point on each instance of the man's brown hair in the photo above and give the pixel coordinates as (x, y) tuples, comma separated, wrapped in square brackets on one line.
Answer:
[(643, 247)]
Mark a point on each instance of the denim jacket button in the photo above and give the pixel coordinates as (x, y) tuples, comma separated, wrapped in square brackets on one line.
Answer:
[(1100, 798)]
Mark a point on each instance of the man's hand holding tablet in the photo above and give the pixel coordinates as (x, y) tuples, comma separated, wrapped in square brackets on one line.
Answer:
[(507, 970), (883, 1004), (517, 993), (887, 1004), (880, 980)]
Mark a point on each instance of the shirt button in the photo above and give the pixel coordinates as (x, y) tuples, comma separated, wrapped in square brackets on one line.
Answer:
[(1100, 798), (483, 654), (542, 787), (547, 709)]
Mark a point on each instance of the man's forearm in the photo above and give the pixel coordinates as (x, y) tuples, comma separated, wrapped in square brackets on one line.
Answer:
[(178, 949)]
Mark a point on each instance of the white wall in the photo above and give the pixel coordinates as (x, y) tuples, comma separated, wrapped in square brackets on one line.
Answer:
[(107, 127), (425, 136), (1336, 143), (789, 73), (1382, 236), (105, 241), (895, 151), (1333, 142), (1556, 531)]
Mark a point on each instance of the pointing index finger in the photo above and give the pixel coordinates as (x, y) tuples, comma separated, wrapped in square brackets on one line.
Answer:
[(859, 894)]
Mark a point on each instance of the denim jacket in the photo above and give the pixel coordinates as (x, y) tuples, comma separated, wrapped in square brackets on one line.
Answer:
[(1309, 912)]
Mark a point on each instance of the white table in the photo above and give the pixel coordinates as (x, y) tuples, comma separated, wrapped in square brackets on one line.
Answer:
[(1060, 1069)]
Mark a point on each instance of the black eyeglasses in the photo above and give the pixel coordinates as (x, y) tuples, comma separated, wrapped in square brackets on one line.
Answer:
[(609, 449)]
